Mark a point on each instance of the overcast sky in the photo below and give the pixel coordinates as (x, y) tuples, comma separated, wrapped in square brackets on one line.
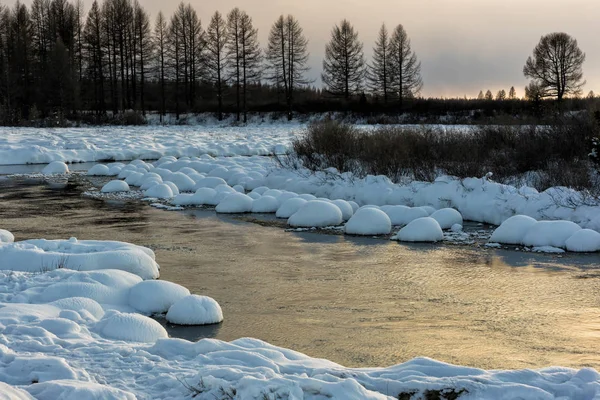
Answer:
[(464, 45)]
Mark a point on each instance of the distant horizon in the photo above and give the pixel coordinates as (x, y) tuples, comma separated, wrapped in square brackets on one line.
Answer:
[(462, 49)]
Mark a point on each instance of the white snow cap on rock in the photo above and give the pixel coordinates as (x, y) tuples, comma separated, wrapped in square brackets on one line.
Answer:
[(156, 297), (99, 170), (235, 203), (160, 191), (369, 221), (584, 241), (290, 207), (115, 186), (55, 168), (513, 230), (424, 229), (6, 236), (345, 207), (447, 217), (130, 327), (550, 233), (265, 204), (318, 214), (195, 310)]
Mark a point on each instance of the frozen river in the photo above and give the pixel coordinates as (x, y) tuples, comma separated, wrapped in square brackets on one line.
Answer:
[(359, 302)]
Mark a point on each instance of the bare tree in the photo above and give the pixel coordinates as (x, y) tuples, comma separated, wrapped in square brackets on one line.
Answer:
[(512, 93), (215, 60), (94, 56), (556, 66), (244, 55), (143, 39), (160, 46), (378, 75), (405, 68), (287, 56), (344, 63)]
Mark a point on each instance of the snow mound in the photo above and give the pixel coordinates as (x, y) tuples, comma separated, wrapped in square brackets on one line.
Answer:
[(290, 207), (403, 215), (79, 304), (369, 221), (345, 208), (55, 167), (156, 297), (115, 186), (447, 217), (99, 170), (204, 196), (83, 255), (513, 230), (195, 310), (316, 213), (550, 233), (130, 327), (6, 236), (160, 191), (76, 390), (183, 182), (265, 204), (8, 392), (584, 241), (235, 203), (210, 182), (424, 229)]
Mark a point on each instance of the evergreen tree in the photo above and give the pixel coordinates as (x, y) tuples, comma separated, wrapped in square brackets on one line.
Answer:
[(215, 58), (378, 75), (405, 68)]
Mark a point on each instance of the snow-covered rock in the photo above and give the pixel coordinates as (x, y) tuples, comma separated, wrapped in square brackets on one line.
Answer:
[(160, 191), (195, 310), (99, 170), (130, 327), (403, 215), (550, 233), (369, 221), (345, 208), (513, 230), (6, 236), (204, 196), (447, 217), (115, 186), (156, 297), (55, 168), (174, 188), (265, 204), (316, 213), (210, 182), (584, 241), (235, 203), (290, 207), (424, 229)]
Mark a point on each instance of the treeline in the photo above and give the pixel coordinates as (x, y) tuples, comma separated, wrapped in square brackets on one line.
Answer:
[(58, 62)]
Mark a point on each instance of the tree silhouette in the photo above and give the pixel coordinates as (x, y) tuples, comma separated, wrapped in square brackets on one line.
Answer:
[(405, 69), (378, 74)]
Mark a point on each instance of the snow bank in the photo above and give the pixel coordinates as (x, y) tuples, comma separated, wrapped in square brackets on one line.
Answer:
[(6, 236), (316, 213), (84, 255), (76, 390), (55, 167), (195, 310), (369, 221), (115, 186), (424, 229), (156, 297)]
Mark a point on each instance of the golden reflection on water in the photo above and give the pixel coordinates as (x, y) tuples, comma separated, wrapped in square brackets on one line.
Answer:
[(359, 302)]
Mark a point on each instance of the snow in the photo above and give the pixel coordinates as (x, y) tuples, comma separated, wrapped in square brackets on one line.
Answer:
[(345, 207), (318, 214), (547, 249), (160, 191), (56, 167), (156, 297), (369, 221), (115, 186), (424, 229), (8, 392), (265, 204), (195, 310), (99, 170), (6, 236), (204, 196), (584, 241), (550, 233), (513, 230), (129, 327), (235, 203), (83, 255), (290, 207), (66, 389), (403, 215), (447, 217)]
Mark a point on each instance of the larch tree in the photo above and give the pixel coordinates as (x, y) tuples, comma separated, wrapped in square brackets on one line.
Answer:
[(94, 56), (406, 81), (287, 58), (480, 96), (512, 93), (489, 95), (379, 72), (216, 58), (501, 95), (556, 66), (144, 48), (344, 63), (160, 55)]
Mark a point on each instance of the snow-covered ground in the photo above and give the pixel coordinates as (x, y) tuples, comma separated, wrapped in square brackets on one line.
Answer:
[(68, 334), (41, 145)]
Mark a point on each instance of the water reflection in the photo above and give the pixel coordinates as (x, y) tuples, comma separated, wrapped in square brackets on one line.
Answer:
[(191, 333)]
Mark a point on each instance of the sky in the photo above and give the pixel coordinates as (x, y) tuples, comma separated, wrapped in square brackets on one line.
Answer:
[(464, 45)]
